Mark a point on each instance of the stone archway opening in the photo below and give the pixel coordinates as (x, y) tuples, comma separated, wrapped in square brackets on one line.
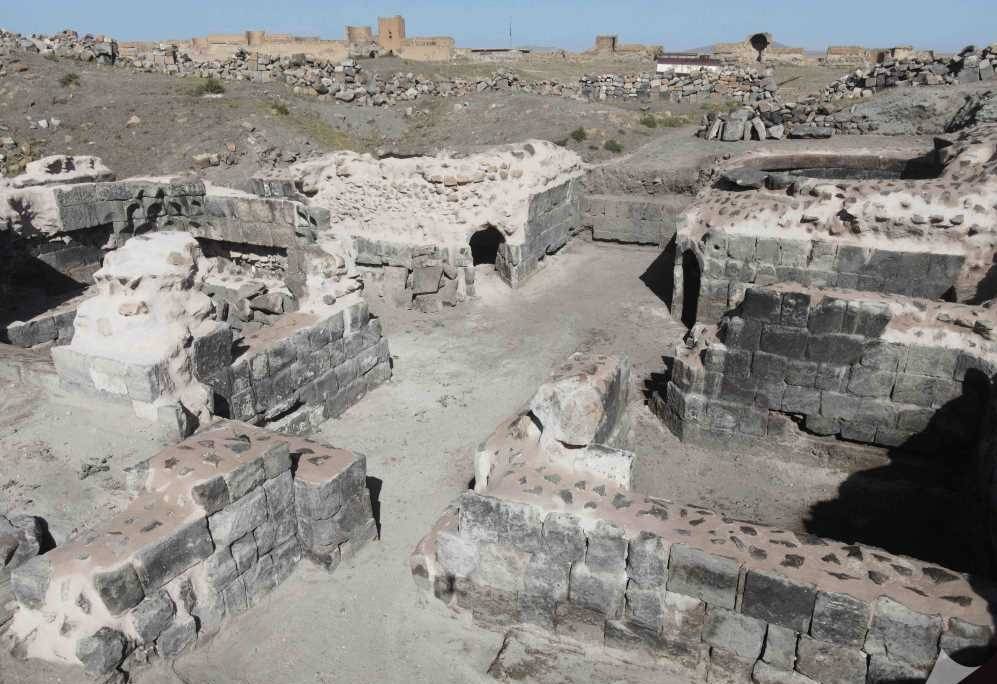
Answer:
[(691, 281), (485, 245)]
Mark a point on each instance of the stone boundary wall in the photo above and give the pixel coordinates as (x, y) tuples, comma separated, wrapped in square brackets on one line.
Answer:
[(739, 84), (296, 382), (729, 601), (221, 519), (729, 263), (834, 360)]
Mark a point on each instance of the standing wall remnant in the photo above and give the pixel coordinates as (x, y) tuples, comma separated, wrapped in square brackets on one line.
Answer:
[(221, 520), (584, 557)]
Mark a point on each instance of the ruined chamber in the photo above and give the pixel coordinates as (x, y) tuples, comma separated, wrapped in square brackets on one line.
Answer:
[(421, 224), (187, 301)]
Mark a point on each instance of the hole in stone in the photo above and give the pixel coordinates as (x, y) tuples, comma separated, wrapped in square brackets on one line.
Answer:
[(691, 277), (485, 245)]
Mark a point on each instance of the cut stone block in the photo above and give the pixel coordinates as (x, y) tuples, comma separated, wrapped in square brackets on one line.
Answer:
[(704, 576), (773, 598), (583, 400)]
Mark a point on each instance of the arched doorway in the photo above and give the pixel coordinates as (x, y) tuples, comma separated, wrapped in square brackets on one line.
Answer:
[(691, 279), (485, 245)]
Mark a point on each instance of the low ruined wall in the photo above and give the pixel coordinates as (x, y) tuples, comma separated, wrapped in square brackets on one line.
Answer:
[(730, 263), (295, 382), (423, 277), (729, 601), (222, 519), (633, 219), (834, 360)]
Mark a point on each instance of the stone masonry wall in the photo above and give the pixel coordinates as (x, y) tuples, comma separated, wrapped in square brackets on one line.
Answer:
[(730, 263), (221, 519), (296, 382), (62, 234), (828, 359), (729, 601), (426, 277), (553, 218), (632, 219)]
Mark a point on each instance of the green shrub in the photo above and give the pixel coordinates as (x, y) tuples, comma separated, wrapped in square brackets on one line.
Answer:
[(280, 109), (612, 146), (672, 121), (208, 86), (649, 120), (69, 79), (579, 134)]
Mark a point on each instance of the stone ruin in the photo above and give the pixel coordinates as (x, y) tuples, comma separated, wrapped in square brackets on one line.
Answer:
[(834, 295), (218, 521), (569, 548), (832, 298), (421, 224), (232, 305)]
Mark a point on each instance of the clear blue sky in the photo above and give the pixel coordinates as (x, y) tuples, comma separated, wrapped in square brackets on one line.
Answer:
[(812, 24)]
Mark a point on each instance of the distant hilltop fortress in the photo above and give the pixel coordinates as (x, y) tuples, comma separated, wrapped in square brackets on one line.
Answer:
[(359, 41), (390, 39)]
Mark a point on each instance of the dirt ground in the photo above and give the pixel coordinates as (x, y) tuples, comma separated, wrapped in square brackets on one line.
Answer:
[(175, 125), (456, 376)]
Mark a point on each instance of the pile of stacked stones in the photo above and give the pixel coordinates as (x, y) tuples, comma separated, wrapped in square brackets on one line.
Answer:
[(774, 120), (66, 44), (767, 119), (251, 306), (740, 84), (969, 66)]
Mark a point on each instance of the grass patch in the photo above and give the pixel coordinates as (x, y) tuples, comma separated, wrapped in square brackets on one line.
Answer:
[(280, 109), (326, 136), (578, 134), (70, 79), (673, 121), (649, 120), (206, 86), (719, 106), (612, 146)]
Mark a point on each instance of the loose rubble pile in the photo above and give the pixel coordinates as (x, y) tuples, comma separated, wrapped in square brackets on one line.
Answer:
[(969, 66), (347, 82), (772, 119)]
